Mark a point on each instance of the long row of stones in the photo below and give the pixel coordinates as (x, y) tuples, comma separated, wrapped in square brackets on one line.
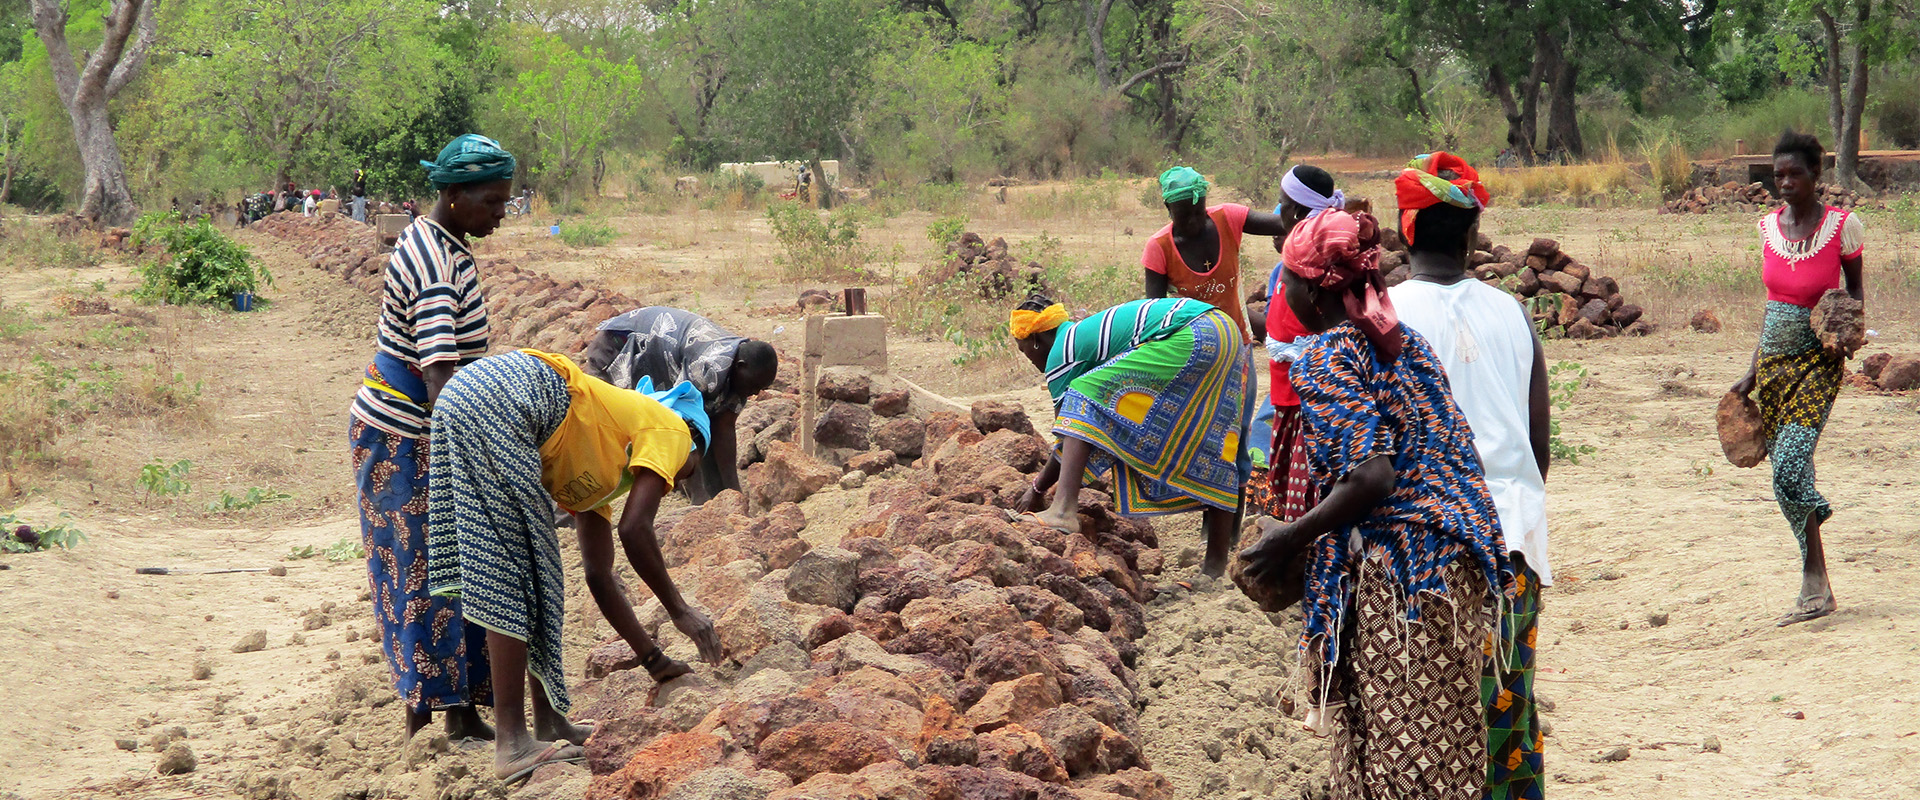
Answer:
[(940, 648), (944, 648), (1750, 198), (526, 308)]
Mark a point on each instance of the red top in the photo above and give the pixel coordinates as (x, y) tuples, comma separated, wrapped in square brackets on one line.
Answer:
[(1798, 271), (1282, 326), (1220, 285)]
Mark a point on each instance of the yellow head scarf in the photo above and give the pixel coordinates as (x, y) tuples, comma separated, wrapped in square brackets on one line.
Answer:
[(1027, 323)]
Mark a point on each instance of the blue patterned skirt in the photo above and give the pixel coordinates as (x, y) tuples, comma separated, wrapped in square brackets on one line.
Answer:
[(437, 660), (1165, 419), (491, 538)]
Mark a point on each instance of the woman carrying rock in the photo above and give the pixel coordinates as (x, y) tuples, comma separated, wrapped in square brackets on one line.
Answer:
[(1150, 395), (510, 432), (1405, 566), (1806, 249), (433, 320)]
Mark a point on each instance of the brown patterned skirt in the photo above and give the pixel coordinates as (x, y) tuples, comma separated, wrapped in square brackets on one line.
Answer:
[(1403, 702)]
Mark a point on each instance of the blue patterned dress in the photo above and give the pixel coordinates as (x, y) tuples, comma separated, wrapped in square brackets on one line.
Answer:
[(1400, 603)]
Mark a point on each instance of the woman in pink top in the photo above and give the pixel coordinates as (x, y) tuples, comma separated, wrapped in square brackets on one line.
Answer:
[(1806, 249)]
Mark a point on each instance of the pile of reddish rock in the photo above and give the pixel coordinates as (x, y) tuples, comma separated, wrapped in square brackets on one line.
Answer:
[(526, 308), (988, 267), (1888, 372), (1565, 297), (941, 647), (1750, 198)]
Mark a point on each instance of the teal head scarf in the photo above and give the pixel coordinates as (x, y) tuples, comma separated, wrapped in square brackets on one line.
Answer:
[(685, 400), (470, 158), (1182, 184)]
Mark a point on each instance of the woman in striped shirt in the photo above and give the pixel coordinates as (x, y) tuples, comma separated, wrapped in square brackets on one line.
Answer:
[(433, 320)]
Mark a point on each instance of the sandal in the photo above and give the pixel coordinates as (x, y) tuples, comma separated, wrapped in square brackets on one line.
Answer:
[(552, 755), (1035, 518)]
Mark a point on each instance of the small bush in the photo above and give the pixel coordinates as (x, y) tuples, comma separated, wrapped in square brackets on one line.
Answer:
[(818, 247), (253, 498), (197, 264), (941, 232), (166, 480), (15, 322), (18, 537), (587, 233), (1563, 380), (25, 244)]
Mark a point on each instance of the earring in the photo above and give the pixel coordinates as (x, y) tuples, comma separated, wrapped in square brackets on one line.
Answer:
[(453, 206)]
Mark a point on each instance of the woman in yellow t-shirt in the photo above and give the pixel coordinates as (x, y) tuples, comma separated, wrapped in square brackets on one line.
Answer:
[(509, 432)]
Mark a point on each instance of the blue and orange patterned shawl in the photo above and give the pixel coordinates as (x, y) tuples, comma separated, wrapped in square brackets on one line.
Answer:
[(1354, 408)]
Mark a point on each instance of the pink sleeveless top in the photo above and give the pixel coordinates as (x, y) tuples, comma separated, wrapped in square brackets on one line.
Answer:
[(1798, 271)]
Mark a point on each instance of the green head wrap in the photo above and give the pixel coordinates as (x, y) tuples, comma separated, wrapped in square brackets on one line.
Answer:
[(1182, 184), (470, 158)]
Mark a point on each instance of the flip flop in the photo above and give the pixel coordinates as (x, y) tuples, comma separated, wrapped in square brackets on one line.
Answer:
[(1035, 518), (549, 756)]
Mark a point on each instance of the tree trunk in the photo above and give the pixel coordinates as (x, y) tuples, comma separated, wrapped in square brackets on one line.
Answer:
[(1530, 96), (1519, 125), (105, 200), (1847, 152), (822, 190), (86, 89), (1836, 101), (1563, 123), (1095, 12)]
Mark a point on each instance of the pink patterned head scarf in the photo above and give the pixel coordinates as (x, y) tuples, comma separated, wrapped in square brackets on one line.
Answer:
[(1341, 252)]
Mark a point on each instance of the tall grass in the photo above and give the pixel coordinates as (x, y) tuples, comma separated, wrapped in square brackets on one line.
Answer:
[(1598, 182)]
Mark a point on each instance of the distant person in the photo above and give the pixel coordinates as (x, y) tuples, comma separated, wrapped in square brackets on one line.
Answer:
[(359, 195), (174, 208), (1498, 373), (1150, 395), (1807, 248), (308, 205), (1282, 490), (510, 433), (433, 321), (1405, 567), (671, 345)]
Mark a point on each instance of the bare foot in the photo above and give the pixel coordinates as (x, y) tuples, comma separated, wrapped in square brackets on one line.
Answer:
[(1065, 521), (512, 765), (1215, 565), (1809, 608), (464, 722)]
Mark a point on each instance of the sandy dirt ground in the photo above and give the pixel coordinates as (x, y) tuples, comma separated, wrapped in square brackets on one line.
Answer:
[(1658, 636)]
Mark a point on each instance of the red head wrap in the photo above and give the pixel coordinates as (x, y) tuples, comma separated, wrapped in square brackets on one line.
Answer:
[(1341, 251), (1421, 185)]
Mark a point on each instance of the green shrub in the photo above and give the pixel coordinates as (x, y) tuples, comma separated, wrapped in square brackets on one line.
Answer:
[(18, 537), (587, 233), (941, 232), (196, 263), (166, 480), (816, 247), (1896, 108)]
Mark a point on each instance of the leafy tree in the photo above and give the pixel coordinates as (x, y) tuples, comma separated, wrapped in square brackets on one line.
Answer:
[(275, 76), (1265, 81), (570, 102), (86, 87), (933, 108), (1855, 36), (791, 91)]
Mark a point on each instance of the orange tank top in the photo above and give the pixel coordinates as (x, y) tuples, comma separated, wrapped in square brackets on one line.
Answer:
[(1221, 287)]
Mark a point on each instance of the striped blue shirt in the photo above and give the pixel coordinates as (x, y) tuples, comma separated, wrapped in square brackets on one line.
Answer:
[(432, 311)]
